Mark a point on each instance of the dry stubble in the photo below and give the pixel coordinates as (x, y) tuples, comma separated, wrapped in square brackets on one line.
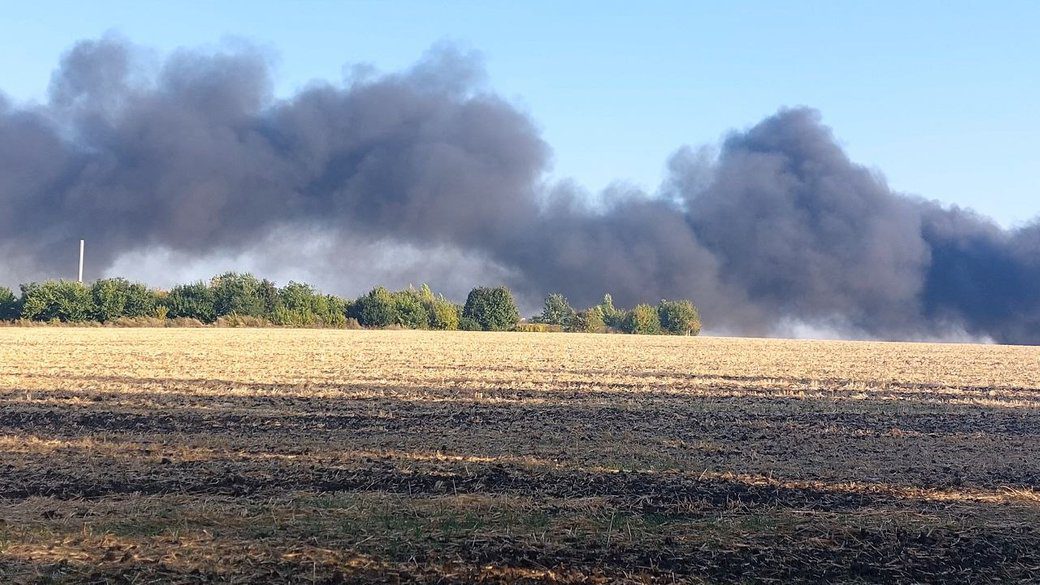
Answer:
[(326, 456)]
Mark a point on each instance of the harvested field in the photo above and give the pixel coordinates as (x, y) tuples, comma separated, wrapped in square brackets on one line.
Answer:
[(301, 456)]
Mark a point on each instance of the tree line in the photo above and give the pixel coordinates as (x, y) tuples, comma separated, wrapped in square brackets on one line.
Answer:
[(234, 299), (670, 317)]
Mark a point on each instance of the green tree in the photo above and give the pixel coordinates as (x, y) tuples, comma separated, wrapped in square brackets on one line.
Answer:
[(493, 308), (193, 301), (9, 305), (376, 309), (557, 311), (242, 294), (444, 314), (468, 324), (295, 306), (612, 316), (268, 295), (332, 311), (679, 317), (64, 300), (642, 320), (299, 305), (110, 297), (140, 301), (410, 309), (440, 312), (588, 321)]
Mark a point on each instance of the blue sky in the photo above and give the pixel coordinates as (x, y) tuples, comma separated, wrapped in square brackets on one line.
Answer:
[(942, 97)]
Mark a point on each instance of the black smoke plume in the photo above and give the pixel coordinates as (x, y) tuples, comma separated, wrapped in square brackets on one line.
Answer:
[(775, 228)]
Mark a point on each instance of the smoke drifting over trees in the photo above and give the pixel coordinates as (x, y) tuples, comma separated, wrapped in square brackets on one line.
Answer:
[(195, 156)]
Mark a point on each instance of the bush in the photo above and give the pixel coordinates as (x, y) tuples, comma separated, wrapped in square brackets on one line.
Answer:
[(443, 314), (60, 300), (557, 311), (137, 322), (242, 294), (9, 306), (236, 320), (142, 302), (184, 322), (116, 297), (529, 327), (440, 312), (411, 310), (468, 324), (376, 309), (191, 301), (109, 296), (299, 305), (679, 317), (588, 321), (293, 314), (333, 311), (493, 308), (642, 320)]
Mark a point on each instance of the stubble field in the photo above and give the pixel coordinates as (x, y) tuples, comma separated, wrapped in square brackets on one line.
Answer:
[(194, 456)]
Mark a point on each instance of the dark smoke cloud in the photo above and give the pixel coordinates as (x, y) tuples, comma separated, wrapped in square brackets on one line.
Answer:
[(803, 231), (194, 158)]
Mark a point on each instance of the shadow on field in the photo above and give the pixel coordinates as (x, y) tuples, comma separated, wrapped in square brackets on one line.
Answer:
[(902, 442), (185, 412), (76, 472), (666, 493), (720, 483), (1012, 402), (813, 549)]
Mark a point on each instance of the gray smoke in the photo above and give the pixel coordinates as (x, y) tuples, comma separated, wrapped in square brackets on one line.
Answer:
[(195, 158)]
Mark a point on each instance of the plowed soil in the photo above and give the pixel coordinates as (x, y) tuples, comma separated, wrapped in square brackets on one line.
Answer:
[(298, 456)]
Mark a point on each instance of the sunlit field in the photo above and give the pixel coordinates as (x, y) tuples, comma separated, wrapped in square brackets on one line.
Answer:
[(309, 456)]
